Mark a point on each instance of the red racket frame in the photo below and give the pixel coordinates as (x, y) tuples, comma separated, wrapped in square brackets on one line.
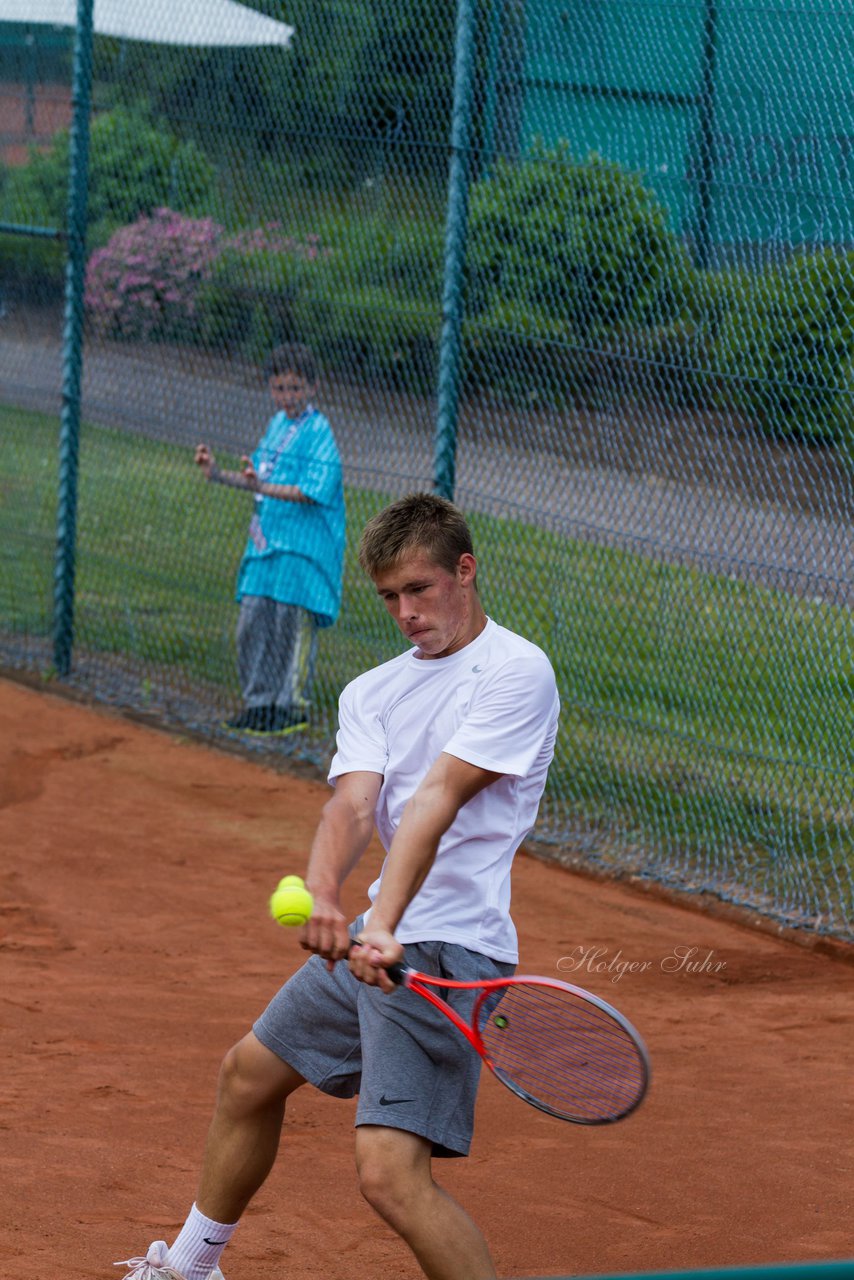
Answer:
[(421, 983)]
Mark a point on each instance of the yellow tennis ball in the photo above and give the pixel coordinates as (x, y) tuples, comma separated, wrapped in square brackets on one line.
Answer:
[(291, 903)]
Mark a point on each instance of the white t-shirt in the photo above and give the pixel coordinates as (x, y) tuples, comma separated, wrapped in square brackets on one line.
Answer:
[(494, 704)]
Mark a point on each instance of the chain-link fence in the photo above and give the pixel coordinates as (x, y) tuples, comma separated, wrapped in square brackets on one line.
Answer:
[(590, 268)]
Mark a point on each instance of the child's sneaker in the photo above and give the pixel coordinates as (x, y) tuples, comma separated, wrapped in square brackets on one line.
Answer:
[(251, 720), (271, 721)]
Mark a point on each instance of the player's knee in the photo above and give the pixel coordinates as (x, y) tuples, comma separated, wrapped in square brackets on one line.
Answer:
[(237, 1088), (386, 1197), (251, 1078), (387, 1178)]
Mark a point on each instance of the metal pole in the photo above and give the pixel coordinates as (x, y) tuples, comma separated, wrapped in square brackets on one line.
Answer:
[(706, 134), (496, 18), (72, 344), (444, 457)]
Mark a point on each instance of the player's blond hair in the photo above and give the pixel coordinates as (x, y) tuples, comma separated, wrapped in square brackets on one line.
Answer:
[(419, 522)]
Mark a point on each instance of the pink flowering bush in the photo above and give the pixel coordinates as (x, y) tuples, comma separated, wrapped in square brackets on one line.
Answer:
[(370, 304), (144, 283), (172, 277)]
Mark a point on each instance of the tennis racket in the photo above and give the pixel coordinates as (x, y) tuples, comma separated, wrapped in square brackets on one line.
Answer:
[(555, 1046)]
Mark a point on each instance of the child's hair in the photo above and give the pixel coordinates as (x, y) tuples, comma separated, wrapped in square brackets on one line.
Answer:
[(292, 357), (418, 522)]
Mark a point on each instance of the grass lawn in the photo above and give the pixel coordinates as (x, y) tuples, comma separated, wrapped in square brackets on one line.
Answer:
[(703, 717)]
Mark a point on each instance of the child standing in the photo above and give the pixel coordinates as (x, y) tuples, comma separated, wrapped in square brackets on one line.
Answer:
[(289, 582)]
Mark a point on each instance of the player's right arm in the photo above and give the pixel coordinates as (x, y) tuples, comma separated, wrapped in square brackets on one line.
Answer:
[(343, 834)]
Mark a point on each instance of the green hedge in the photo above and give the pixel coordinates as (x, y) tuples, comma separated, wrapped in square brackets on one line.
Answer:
[(576, 287), (246, 305), (568, 260), (364, 292), (784, 352), (135, 166)]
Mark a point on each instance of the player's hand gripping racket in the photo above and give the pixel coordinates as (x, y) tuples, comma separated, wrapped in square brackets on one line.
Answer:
[(555, 1046)]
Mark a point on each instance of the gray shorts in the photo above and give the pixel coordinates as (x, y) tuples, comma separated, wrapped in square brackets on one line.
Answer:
[(409, 1065)]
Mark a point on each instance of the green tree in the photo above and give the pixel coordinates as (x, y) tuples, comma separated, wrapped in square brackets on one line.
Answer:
[(361, 86), (134, 167)]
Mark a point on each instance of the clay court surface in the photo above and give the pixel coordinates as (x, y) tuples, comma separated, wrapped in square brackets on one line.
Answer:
[(136, 948)]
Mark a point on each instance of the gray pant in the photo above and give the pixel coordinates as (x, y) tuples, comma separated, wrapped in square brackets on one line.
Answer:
[(276, 651)]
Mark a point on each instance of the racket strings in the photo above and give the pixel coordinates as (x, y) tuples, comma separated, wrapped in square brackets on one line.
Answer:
[(563, 1052)]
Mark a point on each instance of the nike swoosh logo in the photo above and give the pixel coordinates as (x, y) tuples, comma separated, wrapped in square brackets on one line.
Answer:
[(207, 1241), (391, 1102), (477, 668)]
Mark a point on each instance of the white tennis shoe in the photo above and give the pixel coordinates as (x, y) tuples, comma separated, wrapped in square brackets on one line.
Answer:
[(156, 1266)]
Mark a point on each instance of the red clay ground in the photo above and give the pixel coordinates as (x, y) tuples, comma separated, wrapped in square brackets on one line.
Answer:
[(135, 948)]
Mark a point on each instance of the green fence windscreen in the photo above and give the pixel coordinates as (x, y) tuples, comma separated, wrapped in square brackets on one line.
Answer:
[(739, 115)]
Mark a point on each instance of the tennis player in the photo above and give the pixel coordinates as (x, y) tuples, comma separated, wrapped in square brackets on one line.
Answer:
[(444, 750)]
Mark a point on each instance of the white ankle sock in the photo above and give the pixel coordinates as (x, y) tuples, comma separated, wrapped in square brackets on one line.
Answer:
[(199, 1245)]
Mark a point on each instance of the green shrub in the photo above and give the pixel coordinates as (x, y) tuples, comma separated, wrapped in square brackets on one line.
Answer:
[(583, 250), (134, 167), (363, 291), (842, 418), (372, 333), (674, 358), (373, 307), (376, 251), (785, 348), (524, 352), (31, 269), (246, 304)]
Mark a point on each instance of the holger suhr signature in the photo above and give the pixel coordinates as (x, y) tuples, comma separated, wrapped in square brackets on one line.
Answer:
[(679, 960)]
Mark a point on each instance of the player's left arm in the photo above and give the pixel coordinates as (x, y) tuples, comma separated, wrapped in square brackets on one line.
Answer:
[(448, 785)]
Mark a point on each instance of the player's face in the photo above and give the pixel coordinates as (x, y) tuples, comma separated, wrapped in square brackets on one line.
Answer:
[(437, 611), (291, 393)]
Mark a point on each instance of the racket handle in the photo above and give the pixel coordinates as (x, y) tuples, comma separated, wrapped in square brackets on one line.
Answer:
[(397, 972)]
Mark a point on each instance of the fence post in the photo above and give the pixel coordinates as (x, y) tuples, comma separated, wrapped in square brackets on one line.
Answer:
[(444, 457), (706, 141), (72, 344), (490, 110)]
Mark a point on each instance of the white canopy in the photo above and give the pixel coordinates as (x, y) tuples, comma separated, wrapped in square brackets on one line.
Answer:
[(179, 22)]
